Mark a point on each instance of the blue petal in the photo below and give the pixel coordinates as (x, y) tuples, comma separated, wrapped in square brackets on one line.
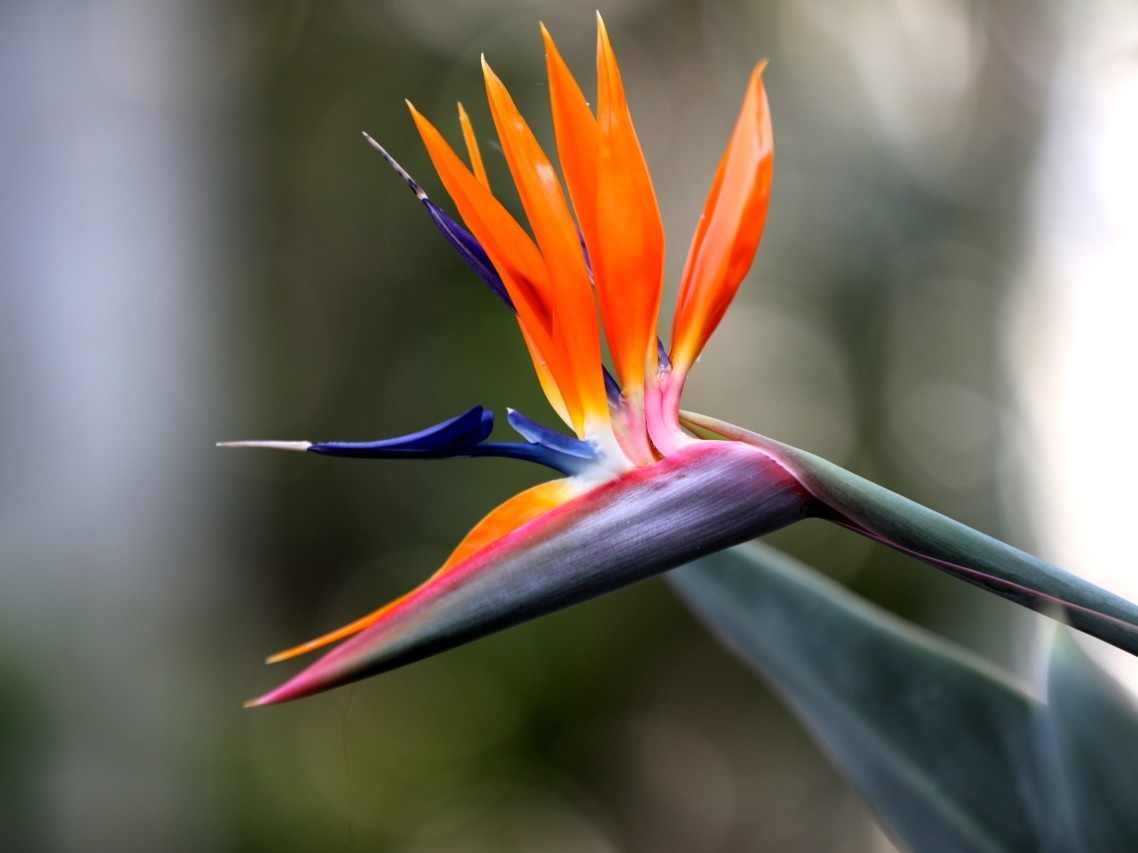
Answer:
[(535, 433), (450, 438), (468, 248), (585, 253), (466, 435)]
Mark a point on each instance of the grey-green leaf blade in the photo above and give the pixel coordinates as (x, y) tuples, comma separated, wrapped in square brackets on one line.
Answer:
[(1091, 737), (938, 742)]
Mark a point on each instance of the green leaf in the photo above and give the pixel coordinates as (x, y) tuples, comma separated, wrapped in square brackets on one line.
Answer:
[(918, 531), (940, 744), (1090, 734)]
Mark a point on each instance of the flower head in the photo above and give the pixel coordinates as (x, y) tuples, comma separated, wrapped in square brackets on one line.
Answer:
[(638, 494)]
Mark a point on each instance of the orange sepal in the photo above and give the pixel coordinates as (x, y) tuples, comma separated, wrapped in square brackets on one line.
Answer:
[(339, 634), (472, 147), (511, 250), (729, 229), (545, 377), (506, 518), (574, 313), (628, 258), (520, 509), (514, 256), (575, 130)]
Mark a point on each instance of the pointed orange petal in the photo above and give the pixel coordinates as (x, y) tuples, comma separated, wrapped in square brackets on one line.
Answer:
[(574, 312), (472, 147), (339, 634), (514, 256), (508, 517), (628, 260), (513, 253), (575, 130), (729, 229), (545, 378)]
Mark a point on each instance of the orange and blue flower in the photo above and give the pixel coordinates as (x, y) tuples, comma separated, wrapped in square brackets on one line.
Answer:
[(640, 492)]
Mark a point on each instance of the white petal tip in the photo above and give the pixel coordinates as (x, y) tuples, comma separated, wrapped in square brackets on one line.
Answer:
[(299, 446), (399, 170)]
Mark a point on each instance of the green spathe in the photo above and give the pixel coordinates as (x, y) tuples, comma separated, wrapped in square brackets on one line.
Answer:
[(942, 543)]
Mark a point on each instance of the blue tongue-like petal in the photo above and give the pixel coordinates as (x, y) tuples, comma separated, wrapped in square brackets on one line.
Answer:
[(450, 438), (464, 435), (535, 433), (468, 248)]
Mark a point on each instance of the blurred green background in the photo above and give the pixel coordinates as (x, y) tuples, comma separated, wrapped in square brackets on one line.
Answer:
[(197, 245)]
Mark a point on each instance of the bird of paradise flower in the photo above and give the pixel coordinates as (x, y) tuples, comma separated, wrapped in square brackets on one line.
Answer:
[(644, 487)]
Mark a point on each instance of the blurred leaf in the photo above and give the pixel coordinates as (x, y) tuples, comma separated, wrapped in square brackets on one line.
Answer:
[(1092, 735), (948, 545), (940, 744)]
